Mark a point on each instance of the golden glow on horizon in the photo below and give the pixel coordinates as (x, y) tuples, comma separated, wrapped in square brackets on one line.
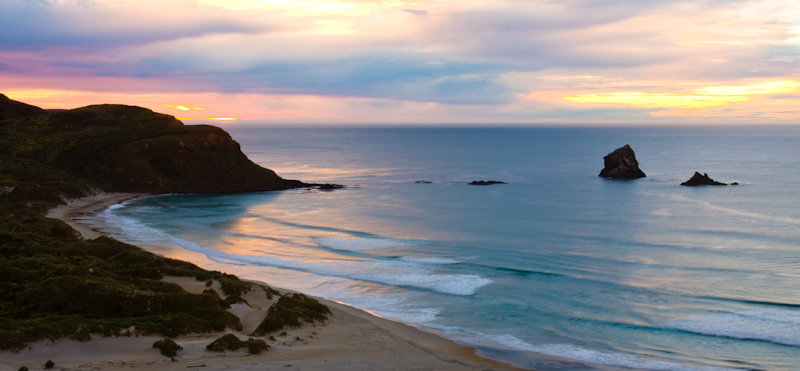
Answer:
[(182, 107), (699, 98), (209, 118), (770, 87), (27, 94), (657, 100)]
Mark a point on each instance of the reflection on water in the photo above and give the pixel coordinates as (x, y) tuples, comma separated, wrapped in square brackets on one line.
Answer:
[(642, 274)]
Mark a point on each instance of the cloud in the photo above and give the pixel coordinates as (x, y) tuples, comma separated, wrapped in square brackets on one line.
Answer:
[(376, 77), (506, 59), (87, 26), (416, 11)]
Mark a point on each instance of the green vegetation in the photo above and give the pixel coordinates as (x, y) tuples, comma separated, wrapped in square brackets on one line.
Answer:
[(290, 311), (167, 347), (131, 149), (231, 342), (55, 285), (49, 364)]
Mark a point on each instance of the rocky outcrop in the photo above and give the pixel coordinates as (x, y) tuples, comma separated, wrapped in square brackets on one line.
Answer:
[(701, 180), (327, 186), (486, 182), (621, 164), (10, 109), (122, 148)]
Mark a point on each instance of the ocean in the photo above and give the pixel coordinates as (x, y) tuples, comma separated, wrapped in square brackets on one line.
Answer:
[(642, 274)]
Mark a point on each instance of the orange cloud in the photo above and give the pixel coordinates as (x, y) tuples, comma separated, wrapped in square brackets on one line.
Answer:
[(209, 118), (699, 98), (656, 100), (182, 107)]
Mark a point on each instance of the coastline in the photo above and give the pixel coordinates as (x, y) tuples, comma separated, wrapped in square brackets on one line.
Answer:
[(75, 213), (353, 339)]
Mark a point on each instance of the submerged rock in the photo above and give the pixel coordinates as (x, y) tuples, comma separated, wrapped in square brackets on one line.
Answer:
[(700, 180), (486, 182), (621, 164), (327, 186)]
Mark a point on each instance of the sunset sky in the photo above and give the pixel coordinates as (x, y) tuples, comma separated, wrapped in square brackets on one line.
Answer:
[(425, 61)]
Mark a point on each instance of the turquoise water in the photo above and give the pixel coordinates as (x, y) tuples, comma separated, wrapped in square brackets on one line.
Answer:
[(643, 274)]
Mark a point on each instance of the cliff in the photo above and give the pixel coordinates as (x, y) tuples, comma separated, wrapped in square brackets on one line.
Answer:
[(132, 149)]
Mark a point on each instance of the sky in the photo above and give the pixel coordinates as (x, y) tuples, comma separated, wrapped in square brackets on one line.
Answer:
[(516, 62)]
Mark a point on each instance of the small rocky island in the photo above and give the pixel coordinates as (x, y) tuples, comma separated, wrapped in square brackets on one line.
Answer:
[(486, 182), (621, 164), (703, 179)]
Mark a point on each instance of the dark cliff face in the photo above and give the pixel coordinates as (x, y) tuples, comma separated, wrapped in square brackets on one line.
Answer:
[(133, 149)]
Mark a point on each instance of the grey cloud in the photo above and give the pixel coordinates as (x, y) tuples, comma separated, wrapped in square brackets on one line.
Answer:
[(371, 77), (416, 11), (406, 79), (35, 25)]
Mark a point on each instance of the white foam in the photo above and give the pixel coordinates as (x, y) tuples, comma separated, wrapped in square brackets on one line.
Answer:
[(407, 271), (431, 261), (132, 230), (417, 316), (774, 325), (393, 273), (359, 244), (597, 357)]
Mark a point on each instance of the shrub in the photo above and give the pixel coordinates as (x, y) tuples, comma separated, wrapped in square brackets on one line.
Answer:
[(168, 347), (233, 286), (231, 342), (289, 311), (256, 346), (49, 364)]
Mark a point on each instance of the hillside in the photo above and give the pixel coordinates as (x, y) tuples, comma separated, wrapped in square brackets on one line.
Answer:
[(53, 284), (133, 149)]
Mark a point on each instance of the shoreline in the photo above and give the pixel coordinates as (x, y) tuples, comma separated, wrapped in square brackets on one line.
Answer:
[(352, 340)]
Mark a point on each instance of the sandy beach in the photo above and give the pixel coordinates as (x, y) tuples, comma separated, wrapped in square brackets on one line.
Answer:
[(351, 340)]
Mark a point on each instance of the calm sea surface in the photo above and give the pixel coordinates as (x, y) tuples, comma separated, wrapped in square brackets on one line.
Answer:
[(643, 274)]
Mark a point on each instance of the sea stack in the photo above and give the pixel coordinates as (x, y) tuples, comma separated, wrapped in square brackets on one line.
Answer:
[(701, 180), (621, 164)]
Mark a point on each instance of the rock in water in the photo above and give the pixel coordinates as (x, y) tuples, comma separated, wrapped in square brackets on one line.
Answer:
[(700, 180), (622, 164), (486, 182)]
